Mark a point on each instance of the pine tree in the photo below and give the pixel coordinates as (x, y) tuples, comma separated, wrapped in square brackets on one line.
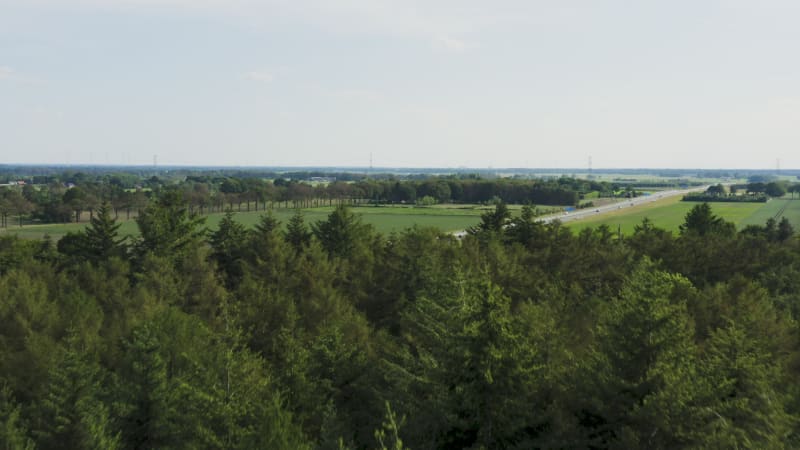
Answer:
[(342, 232), (785, 230), (473, 371), (488, 372), (701, 221), (102, 239), (29, 318), (222, 393), (267, 224), (297, 234), (167, 227), (146, 401), (642, 381), (246, 410), (203, 292), (267, 253), (13, 432), (744, 408), (72, 414), (525, 228), (493, 221), (273, 324), (229, 243)]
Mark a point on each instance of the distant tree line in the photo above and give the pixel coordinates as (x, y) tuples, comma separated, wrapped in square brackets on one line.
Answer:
[(74, 197), (750, 192)]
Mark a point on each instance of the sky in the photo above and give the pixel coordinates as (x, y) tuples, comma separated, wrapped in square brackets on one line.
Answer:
[(408, 83)]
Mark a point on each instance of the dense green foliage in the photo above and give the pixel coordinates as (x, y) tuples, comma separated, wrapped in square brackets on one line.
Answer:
[(704, 197), (520, 335)]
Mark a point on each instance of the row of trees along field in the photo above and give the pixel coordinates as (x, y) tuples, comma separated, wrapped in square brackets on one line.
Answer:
[(521, 335), (59, 201), (750, 192)]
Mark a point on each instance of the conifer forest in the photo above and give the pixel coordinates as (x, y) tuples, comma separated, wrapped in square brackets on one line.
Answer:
[(330, 335)]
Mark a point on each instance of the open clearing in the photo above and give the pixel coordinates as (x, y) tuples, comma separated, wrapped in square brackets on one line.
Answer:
[(669, 214)]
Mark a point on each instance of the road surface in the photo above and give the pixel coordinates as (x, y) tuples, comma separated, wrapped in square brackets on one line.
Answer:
[(598, 210), (627, 203)]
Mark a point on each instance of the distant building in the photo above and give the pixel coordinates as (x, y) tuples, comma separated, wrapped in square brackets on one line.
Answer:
[(13, 183)]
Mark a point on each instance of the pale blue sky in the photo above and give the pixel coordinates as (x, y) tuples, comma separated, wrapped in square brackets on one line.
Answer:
[(416, 83)]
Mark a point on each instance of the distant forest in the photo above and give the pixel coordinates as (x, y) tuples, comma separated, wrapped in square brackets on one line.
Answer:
[(520, 335), (74, 196)]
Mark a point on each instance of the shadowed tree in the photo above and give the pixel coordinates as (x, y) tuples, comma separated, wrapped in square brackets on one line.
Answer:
[(642, 384), (717, 190), (701, 221), (13, 432), (167, 228), (775, 189), (102, 237), (229, 246), (341, 233), (470, 373), (493, 221), (785, 230), (297, 234), (650, 240), (745, 408), (76, 199), (268, 254), (147, 400), (72, 414)]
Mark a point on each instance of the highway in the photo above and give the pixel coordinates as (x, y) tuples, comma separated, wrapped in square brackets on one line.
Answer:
[(625, 203), (599, 210)]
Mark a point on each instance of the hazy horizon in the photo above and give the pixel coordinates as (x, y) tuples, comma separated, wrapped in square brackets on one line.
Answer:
[(786, 171), (511, 84)]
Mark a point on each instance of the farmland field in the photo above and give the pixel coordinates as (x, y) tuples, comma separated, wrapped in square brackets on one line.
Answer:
[(384, 219), (669, 214), (778, 208)]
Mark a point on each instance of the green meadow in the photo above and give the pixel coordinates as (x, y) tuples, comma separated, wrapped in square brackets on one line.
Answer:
[(777, 208), (669, 214), (385, 219)]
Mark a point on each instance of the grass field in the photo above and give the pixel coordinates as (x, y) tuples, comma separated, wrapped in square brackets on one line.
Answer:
[(669, 214), (384, 219), (777, 208)]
